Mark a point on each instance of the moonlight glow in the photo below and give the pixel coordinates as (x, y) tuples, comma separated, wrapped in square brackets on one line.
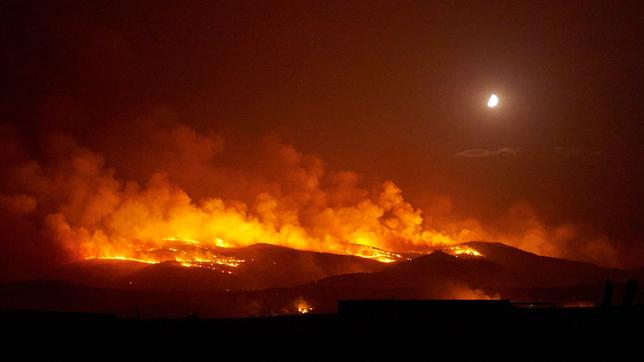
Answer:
[(493, 101)]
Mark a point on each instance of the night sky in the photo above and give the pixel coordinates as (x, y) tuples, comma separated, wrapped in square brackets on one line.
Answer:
[(391, 90)]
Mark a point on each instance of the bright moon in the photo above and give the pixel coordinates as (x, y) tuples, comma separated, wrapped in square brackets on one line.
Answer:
[(493, 101)]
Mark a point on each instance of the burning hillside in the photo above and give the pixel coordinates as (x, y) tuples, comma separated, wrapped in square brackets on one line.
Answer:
[(77, 201), (276, 280), (65, 202)]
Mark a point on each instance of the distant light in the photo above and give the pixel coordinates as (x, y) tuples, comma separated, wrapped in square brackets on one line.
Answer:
[(493, 101)]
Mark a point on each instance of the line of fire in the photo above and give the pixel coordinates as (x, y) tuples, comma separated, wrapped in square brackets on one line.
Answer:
[(322, 180)]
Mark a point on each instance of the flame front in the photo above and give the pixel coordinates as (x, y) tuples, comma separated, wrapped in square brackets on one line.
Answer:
[(464, 250), (187, 253), (289, 200), (161, 222)]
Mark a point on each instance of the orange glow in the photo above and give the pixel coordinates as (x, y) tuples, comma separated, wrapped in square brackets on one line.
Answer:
[(295, 203), (461, 250), (187, 253), (368, 252), (303, 307), (126, 258), (161, 223)]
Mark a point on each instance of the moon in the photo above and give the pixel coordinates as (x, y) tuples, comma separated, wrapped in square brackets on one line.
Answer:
[(493, 101)]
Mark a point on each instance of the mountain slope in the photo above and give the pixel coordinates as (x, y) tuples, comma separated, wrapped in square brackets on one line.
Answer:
[(176, 291), (542, 270), (262, 266)]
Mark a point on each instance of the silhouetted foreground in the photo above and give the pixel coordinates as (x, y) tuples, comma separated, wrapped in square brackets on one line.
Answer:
[(480, 329)]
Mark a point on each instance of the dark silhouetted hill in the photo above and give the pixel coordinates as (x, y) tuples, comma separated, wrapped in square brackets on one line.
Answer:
[(265, 266), (276, 280)]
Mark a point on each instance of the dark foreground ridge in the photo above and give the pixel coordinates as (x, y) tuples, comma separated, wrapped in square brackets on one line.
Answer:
[(460, 329)]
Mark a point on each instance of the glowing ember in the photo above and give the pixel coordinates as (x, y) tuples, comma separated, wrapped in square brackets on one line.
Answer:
[(368, 252), (185, 252), (211, 263), (458, 250), (188, 253), (303, 307), (124, 258)]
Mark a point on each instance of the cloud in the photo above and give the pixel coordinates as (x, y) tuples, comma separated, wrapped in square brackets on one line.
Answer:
[(481, 153)]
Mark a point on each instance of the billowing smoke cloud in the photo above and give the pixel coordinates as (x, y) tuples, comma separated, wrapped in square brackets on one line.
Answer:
[(62, 201), (284, 197), (522, 227)]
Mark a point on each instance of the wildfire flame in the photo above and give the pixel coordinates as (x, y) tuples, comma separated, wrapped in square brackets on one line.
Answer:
[(303, 307), (161, 223), (192, 253), (76, 200), (458, 250), (188, 253)]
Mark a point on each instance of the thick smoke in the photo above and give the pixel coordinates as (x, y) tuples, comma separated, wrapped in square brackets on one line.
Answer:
[(521, 226), (63, 201)]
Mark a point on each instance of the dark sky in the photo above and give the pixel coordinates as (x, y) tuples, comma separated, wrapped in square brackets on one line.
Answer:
[(390, 89)]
